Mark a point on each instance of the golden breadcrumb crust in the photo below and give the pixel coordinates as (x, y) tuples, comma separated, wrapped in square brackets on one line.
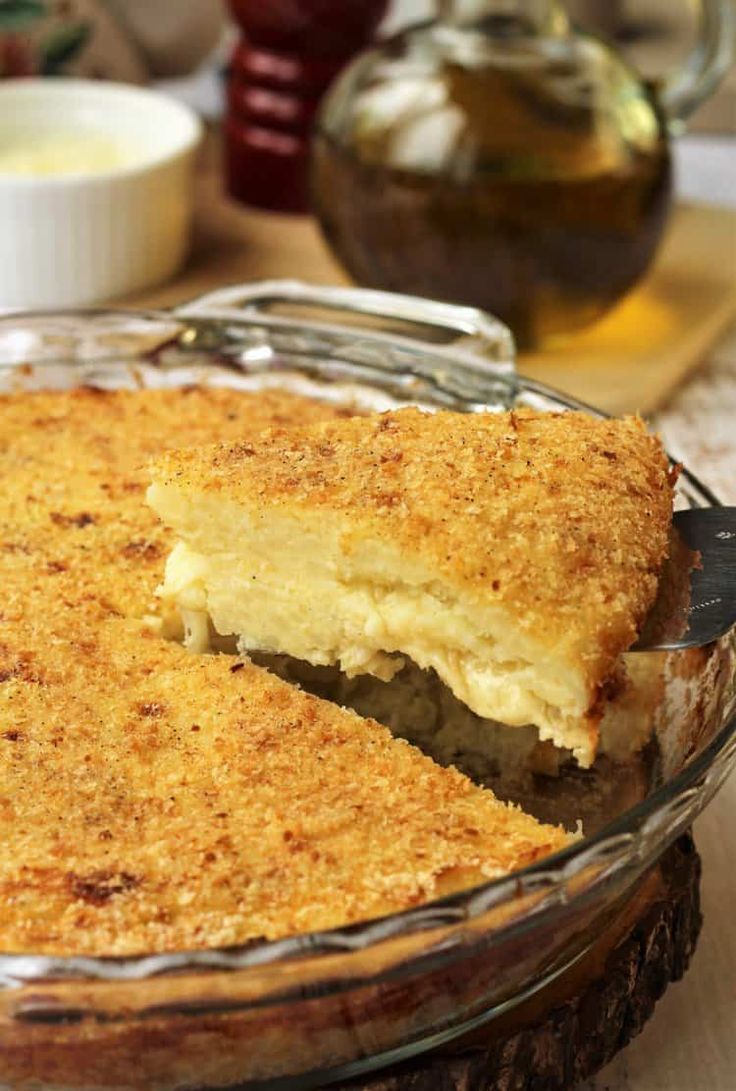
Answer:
[(151, 800), (73, 521), (560, 518), (157, 800)]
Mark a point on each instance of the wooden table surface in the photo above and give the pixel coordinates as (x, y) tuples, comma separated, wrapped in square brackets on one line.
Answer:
[(690, 1044)]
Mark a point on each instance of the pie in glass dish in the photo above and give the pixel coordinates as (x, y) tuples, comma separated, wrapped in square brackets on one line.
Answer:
[(127, 763)]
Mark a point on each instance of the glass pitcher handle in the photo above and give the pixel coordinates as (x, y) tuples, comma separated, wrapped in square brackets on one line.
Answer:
[(687, 87)]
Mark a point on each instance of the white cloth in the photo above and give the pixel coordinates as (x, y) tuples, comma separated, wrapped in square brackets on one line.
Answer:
[(705, 169)]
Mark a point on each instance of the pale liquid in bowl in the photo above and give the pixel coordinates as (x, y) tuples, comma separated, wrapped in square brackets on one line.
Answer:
[(63, 152)]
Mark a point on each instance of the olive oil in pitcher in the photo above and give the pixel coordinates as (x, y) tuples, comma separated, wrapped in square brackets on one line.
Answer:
[(499, 158)]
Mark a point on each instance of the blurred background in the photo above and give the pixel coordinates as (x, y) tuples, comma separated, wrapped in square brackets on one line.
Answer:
[(655, 33), (140, 41), (538, 191)]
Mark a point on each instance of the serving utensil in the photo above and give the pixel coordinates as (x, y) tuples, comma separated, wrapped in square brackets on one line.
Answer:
[(696, 603)]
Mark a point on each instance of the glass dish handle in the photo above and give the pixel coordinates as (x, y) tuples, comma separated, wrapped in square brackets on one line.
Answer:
[(682, 92), (480, 339)]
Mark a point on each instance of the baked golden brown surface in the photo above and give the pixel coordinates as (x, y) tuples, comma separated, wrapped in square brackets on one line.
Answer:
[(157, 800), (151, 800), (73, 520), (517, 554)]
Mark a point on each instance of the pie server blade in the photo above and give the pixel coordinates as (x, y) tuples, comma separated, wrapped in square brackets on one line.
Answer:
[(696, 603)]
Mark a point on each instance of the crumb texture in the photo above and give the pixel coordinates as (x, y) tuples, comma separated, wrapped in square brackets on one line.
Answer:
[(151, 800), (560, 519)]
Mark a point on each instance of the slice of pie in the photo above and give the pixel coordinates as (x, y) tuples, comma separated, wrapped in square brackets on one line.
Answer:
[(515, 554)]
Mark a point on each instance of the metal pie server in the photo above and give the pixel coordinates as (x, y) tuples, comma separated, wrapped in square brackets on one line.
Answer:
[(696, 603)]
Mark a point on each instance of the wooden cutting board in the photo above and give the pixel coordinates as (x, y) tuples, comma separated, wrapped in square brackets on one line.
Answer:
[(638, 354), (630, 361)]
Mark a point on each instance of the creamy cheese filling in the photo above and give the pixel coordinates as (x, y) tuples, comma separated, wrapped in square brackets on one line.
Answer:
[(307, 604)]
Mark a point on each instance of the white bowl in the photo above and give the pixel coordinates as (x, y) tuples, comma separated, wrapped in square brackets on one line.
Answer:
[(74, 238)]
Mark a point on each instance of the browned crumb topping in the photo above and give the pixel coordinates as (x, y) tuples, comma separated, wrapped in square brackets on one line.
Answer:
[(560, 518), (151, 800), (74, 478)]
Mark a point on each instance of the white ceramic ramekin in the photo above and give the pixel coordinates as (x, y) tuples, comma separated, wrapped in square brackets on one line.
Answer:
[(71, 239)]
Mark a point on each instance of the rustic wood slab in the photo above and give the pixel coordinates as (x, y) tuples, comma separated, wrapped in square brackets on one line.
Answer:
[(571, 1029)]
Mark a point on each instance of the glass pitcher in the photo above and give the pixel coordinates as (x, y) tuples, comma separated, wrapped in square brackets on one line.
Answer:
[(499, 156)]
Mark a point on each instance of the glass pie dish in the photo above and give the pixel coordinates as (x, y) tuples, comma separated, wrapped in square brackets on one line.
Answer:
[(300, 1012)]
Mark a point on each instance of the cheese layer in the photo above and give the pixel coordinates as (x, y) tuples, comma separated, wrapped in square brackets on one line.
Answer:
[(290, 588)]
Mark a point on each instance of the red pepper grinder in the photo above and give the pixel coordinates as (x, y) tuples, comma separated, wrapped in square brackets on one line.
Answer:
[(289, 53)]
